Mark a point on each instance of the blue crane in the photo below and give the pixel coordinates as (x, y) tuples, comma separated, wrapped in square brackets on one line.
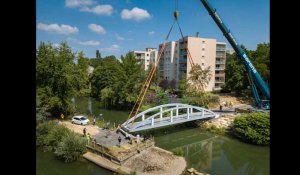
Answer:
[(252, 73)]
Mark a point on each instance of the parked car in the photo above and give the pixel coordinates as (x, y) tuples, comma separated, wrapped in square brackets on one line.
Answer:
[(81, 120)]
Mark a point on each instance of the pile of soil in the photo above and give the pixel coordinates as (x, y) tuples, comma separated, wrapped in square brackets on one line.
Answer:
[(156, 161)]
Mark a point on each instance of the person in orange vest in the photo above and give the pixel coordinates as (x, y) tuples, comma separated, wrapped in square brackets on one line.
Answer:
[(62, 116)]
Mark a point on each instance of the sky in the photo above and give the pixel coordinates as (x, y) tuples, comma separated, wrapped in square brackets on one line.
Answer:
[(115, 27)]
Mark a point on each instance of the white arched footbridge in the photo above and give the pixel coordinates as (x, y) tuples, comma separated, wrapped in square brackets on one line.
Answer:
[(165, 115)]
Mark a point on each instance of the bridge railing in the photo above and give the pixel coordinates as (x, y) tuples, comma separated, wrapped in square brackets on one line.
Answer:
[(166, 108)]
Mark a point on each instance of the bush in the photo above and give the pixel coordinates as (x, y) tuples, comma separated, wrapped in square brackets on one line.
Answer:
[(253, 127), (55, 136), (42, 130), (71, 147), (178, 151)]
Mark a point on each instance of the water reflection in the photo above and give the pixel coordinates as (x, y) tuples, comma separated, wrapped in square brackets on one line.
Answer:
[(220, 155)]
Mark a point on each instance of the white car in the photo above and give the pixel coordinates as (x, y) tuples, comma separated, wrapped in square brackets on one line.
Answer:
[(81, 120)]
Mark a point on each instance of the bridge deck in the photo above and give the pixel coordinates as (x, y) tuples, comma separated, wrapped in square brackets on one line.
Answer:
[(166, 121)]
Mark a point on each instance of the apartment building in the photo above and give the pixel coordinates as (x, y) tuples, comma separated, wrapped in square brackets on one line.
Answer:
[(174, 63), (168, 61), (147, 57)]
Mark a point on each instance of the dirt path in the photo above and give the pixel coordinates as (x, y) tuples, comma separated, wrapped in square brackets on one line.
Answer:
[(93, 130)]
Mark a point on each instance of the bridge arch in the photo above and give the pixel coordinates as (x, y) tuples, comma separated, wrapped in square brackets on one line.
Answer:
[(148, 120)]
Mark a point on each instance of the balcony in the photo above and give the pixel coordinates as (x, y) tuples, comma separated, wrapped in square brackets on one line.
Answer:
[(219, 68), (220, 56), (220, 75), (220, 62), (221, 49), (219, 81)]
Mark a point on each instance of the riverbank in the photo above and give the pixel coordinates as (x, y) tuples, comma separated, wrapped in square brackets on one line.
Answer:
[(218, 125), (144, 158)]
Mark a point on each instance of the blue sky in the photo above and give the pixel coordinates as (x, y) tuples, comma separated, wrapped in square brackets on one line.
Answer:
[(118, 26)]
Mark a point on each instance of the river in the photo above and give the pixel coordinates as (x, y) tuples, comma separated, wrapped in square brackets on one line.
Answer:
[(204, 151)]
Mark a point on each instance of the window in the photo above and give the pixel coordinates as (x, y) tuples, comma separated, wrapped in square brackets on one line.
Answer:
[(203, 48), (202, 64), (203, 42), (147, 54)]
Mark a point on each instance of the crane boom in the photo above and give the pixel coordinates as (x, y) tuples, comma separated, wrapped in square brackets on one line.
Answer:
[(251, 71)]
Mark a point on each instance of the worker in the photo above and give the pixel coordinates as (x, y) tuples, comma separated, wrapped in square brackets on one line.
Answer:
[(94, 122), (62, 116), (119, 139), (84, 132), (221, 107)]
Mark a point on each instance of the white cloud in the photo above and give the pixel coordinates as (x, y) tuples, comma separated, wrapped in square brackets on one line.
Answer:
[(136, 14), (97, 28), (151, 33), (85, 43), (78, 3), (89, 43), (118, 37), (99, 9), (59, 29), (112, 48)]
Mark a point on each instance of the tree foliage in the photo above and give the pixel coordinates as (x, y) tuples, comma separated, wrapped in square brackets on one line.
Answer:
[(58, 77), (117, 83), (71, 147), (253, 128), (236, 77)]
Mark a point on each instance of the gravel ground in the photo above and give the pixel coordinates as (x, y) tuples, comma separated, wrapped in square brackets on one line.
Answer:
[(156, 161)]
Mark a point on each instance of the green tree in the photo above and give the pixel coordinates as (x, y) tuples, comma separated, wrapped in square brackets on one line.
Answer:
[(82, 75), (98, 54), (117, 83), (156, 76), (236, 76), (55, 77)]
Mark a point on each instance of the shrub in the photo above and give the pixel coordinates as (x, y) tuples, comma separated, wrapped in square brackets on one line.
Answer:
[(55, 136), (178, 151), (253, 127), (71, 147), (42, 130)]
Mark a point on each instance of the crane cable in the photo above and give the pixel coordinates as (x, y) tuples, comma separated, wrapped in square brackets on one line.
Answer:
[(151, 73), (149, 77)]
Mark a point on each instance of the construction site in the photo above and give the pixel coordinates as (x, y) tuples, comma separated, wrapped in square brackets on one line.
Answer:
[(124, 151)]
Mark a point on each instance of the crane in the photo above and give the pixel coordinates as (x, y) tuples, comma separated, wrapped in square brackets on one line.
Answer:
[(252, 73)]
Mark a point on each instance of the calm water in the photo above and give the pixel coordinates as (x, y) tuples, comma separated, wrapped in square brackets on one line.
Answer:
[(217, 155), (47, 164)]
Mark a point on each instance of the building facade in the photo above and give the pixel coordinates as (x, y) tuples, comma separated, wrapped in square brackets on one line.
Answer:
[(146, 57), (174, 62)]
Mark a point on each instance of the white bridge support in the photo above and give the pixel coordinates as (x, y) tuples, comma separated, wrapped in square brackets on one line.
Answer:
[(163, 116)]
